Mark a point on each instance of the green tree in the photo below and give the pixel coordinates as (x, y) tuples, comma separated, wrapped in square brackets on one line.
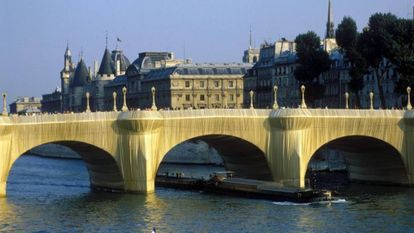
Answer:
[(402, 53), (376, 44), (347, 38), (313, 60)]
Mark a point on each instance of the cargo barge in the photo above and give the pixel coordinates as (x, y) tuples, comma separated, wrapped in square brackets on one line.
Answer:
[(225, 184)]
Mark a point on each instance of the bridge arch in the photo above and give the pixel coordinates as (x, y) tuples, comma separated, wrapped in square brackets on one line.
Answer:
[(103, 169), (367, 159), (239, 155)]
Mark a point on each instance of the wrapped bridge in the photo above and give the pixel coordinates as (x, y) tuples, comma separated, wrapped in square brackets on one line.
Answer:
[(123, 150)]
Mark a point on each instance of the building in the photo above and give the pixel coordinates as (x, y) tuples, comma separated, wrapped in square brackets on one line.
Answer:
[(25, 105), (145, 62), (52, 103), (79, 79), (251, 55), (195, 86), (275, 65)]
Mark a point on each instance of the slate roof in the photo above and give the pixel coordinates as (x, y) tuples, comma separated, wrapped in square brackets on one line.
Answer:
[(118, 55), (107, 65), (198, 69), (81, 75), (118, 81)]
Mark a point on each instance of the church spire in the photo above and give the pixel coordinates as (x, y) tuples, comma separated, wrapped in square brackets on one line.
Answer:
[(250, 38), (330, 33)]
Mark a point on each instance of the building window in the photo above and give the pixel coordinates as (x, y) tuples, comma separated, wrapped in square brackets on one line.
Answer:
[(217, 97), (187, 83), (230, 83), (216, 83), (201, 97), (231, 97), (187, 97), (201, 83)]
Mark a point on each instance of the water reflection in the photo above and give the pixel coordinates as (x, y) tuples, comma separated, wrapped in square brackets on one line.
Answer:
[(54, 196)]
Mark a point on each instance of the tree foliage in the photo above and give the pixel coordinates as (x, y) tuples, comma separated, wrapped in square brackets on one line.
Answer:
[(347, 38), (376, 43), (313, 60)]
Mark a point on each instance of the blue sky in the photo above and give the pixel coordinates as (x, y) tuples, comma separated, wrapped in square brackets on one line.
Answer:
[(34, 33)]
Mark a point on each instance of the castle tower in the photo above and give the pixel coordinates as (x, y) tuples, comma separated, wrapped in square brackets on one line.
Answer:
[(330, 33), (65, 76)]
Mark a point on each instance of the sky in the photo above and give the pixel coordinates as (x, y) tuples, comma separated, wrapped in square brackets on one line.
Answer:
[(34, 33)]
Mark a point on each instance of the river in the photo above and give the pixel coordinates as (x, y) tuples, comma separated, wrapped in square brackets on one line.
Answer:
[(53, 195)]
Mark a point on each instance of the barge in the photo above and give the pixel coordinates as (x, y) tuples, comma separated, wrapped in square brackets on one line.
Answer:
[(225, 184)]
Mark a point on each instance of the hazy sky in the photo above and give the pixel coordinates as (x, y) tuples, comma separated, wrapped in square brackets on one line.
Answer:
[(34, 33)]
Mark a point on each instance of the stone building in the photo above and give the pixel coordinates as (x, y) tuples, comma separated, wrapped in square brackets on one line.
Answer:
[(251, 55), (25, 105), (77, 80), (145, 62), (52, 103), (195, 86), (275, 61)]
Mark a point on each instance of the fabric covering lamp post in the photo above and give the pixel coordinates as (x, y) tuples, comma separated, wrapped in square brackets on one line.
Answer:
[(154, 106), (124, 105), (302, 89), (275, 105), (88, 109), (251, 99), (225, 99), (371, 99), (346, 100), (114, 95), (4, 113), (409, 106)]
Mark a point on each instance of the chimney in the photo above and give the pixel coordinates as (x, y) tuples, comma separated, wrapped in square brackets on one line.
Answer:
[(95, 68), (118, 67)]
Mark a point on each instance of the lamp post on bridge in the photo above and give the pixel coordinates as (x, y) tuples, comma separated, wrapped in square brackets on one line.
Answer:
[(4, 113), (346, 100), (153, 107), (275, 105), (251, 99), (409, 106), (225, 99), (114, 95), (88, 109), (124, 105), (302, 89)]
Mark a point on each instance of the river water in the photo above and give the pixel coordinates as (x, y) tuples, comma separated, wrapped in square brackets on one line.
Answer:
[(53, 195)]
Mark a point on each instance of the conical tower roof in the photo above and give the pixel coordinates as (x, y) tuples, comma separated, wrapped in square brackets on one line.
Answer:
[(107, 66), (81, 75)]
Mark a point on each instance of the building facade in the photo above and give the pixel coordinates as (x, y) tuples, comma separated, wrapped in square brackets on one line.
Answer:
[(79, 79), (25, 105), (52, 103), (195, 86)]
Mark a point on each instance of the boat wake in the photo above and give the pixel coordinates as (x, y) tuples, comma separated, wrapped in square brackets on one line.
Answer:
[(288, 203)]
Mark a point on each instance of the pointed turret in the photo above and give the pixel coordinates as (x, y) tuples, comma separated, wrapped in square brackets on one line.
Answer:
[(330, 33), (107, 66), (67, 66), (81, 76)]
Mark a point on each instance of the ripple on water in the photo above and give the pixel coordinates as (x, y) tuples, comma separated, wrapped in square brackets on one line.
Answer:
[(53, 196)]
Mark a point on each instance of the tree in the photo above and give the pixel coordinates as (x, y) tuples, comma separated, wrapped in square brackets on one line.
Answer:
[(402, 53), (313, 60), (376, 43), (347, 38)]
